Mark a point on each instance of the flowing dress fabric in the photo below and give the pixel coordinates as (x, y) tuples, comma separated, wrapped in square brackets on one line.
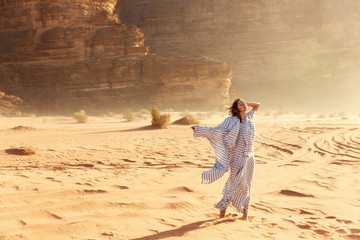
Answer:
[(233, 144)]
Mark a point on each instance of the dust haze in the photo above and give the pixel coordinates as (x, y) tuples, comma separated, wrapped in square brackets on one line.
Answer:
[(300, 55)]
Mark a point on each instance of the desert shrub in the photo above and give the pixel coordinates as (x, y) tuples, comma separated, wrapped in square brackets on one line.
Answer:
[(159, 120), (128, 115), (81, 116)]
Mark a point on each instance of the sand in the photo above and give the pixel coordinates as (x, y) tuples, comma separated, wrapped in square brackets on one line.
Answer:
[(111, 179)]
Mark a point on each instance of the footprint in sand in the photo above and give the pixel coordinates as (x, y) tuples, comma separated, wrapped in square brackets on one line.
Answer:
[(212, 215), (107, 234), (94, 191), (52, 179), (305, 212), (303, 226), (341, 231), (54, 215), (260, 162), (23, 222), (121, 187), (353, 237), (135, 205), (321, 231), (128, 160), (187, 162), (180, 189), (163, 221), (179, 205), (292, 193), (344, 221)]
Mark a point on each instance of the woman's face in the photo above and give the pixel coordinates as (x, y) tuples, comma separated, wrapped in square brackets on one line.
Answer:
[(242, 106)]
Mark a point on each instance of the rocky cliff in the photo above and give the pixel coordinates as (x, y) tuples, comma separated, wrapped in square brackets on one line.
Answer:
[(274, 47), (68, 54)]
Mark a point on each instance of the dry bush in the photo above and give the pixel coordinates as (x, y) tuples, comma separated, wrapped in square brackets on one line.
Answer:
[(128, 115), (81, 116), (159, 120)]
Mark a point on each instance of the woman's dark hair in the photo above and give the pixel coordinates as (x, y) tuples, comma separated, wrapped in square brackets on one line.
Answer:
[(234, 110)]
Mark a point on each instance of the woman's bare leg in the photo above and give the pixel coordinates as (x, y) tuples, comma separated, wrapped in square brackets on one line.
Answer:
[(245, 215), (222, 213)]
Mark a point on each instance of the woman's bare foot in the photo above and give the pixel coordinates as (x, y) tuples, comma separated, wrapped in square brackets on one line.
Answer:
[(222, 213), (245, 216)]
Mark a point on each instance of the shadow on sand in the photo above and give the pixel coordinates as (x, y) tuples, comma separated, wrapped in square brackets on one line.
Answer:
[(179, 232)]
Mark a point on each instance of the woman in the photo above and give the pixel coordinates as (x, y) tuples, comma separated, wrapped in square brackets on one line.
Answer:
[(233, 143)]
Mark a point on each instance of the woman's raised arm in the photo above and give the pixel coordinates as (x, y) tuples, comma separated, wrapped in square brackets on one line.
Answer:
[(255, 105)]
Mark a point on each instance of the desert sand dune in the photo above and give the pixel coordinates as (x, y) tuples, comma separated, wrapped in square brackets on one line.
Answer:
[(110, 179)]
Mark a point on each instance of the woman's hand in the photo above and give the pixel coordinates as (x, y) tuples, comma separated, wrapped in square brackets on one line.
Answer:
[(255, 105)]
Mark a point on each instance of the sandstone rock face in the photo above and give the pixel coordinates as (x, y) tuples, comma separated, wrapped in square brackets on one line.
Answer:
[(274, 47), (67, 54), (190, 82), (8, 104)]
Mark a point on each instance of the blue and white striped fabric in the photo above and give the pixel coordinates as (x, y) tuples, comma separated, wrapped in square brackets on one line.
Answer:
[(233, 144)]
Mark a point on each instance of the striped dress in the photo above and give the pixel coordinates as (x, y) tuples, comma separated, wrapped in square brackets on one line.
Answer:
[(234, 152)]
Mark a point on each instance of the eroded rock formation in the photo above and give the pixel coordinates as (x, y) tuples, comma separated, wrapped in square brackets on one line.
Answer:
[(67, 54), (302, 47), (8, 104)]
